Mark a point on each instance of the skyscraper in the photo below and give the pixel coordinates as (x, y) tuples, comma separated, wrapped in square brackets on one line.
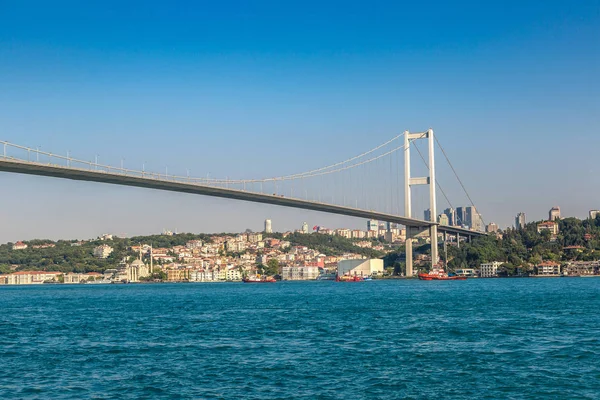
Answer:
[(451, 214), (460, 216), (427, 215), (473, 220), (554, 213), (372, 225), (520, 221), (594, 213), (443, 219), (268, 227)]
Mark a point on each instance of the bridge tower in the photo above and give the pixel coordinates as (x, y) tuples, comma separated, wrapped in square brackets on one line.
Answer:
[(409, 181)]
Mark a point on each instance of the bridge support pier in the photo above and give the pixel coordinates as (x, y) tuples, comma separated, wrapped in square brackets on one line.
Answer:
[(409, 257)]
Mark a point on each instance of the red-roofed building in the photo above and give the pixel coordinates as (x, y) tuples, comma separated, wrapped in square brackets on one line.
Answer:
[(548, 268), (19, 246)]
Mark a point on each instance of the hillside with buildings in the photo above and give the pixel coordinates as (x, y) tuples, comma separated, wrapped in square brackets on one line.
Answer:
[(192, 257)]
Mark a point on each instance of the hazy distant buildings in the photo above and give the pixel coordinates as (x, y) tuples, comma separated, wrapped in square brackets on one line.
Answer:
[(473, 218), (305, 228), (102, 251), (19, 246), (520, 221), (443, 219), (491, 228), (554, 213), (427, 215), (372, 225), (594, 213), (550, 226), (451, 214), (268, 227), (460, 218)]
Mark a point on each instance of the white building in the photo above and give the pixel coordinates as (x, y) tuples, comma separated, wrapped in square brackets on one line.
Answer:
[(489, 270), (102, 251), (360, 267), (594, 213), (268, 227), (299, 273), (550, 226), (548, 268), (305, 228)]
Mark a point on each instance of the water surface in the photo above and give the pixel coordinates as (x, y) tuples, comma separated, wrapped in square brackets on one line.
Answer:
[(502, 338)]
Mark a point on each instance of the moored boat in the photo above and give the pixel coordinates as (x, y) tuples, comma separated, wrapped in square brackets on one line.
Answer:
[(259, 279), (437, 273), (348, 278)]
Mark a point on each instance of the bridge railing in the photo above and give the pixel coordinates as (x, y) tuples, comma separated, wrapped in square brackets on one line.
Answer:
[(19, 153)]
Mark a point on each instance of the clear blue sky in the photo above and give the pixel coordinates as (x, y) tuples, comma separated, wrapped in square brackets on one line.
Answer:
[(239, 89)]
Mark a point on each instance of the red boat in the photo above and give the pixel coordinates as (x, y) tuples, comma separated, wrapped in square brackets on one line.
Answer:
[(438, 274), (258, 279), (348, 278)]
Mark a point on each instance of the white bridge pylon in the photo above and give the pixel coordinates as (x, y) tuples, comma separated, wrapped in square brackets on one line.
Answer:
[(409, 181)]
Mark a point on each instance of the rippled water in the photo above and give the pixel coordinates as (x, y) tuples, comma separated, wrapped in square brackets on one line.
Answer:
[(503, 338)]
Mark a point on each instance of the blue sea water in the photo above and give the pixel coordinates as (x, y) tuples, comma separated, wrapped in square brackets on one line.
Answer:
[(484, 339)]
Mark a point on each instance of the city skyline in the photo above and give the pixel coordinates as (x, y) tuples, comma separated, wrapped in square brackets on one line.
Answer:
[(233, 99)]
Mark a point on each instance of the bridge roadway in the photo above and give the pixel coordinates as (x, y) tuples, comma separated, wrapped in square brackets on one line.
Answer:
[(58, 171)]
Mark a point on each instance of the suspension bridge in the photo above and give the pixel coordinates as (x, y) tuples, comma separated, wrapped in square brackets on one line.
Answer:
[(365, 186)]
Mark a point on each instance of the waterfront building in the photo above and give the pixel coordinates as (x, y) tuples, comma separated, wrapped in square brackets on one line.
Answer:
[(520, 221), (102, 251), (299, 272), (268, 226), (178, 275), (136, 270), (548, 268), (491, 228), (73, 277), (554, 213), (489, 270), (32, 277), (360, 267), (575, 268), (19, 246), (468, 272)]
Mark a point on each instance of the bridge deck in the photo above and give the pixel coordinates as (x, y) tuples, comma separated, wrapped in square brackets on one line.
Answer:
[(57, 171)]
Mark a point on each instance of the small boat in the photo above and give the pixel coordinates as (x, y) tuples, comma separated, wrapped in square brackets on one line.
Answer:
[(438, 274), (348, 278), (258, 279), (326, 277)]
